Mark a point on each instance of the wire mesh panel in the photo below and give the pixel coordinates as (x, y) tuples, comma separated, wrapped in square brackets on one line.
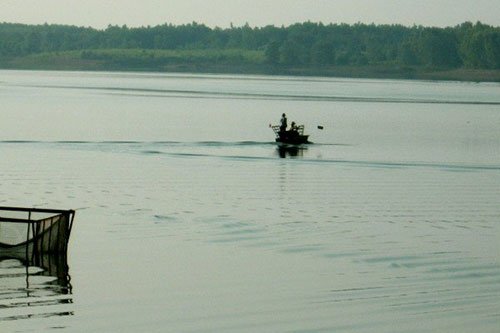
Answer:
[(34, 230)]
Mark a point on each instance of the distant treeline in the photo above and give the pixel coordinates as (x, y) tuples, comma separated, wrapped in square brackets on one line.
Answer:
[(475, 46)]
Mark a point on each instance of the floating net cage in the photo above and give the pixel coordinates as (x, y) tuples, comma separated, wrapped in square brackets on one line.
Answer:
[(30, 232)]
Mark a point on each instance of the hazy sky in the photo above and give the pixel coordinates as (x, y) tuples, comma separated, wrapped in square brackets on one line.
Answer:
[(100, 13)]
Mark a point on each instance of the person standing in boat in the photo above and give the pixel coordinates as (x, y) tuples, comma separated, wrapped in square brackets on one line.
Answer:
[(283, 123)]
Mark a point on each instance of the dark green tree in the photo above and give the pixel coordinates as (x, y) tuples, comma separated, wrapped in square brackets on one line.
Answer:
[(302, 44), (323, 53), (272, 53), (290, 53), (438, 48)]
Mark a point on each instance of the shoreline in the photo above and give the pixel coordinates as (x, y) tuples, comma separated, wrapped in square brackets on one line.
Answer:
[(66, 63)]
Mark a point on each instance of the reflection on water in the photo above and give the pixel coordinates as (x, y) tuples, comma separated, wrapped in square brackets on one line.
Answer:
[(36, 288), (285, 151)]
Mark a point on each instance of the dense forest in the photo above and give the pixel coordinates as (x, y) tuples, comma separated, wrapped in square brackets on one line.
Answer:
[(301, 45)]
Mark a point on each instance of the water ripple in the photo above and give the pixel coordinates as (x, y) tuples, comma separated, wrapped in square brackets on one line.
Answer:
[(184, 150), (28, 292), (186, 93)]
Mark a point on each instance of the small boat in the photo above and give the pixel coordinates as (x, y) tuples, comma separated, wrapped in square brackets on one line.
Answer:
[(34, 231), (291, 137)]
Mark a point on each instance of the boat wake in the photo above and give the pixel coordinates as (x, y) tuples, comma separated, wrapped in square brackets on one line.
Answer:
[(247, 151), (208, 94)]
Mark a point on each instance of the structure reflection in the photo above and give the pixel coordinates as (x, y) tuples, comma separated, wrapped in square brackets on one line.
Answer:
[(285, 151), (39, 286)]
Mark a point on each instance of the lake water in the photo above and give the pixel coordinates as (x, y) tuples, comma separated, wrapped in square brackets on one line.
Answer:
[(189, 219)]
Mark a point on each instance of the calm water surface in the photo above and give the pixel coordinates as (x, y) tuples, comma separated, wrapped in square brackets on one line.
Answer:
[(190, 220)]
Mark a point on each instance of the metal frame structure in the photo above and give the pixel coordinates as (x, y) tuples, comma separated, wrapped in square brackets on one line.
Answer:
[(49, 234)]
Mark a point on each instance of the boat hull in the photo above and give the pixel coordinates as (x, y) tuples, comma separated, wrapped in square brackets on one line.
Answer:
[(293, 139)]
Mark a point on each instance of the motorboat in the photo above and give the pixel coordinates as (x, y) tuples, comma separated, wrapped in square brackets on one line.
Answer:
[(294, 136)]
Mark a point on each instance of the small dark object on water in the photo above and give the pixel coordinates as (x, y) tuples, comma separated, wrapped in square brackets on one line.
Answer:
[(320, 127)]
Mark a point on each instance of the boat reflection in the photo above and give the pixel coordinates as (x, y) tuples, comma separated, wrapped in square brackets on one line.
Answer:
[(292, 151), (35, 287)]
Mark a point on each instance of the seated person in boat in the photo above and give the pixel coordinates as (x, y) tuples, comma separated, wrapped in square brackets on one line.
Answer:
[(294, 130)]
